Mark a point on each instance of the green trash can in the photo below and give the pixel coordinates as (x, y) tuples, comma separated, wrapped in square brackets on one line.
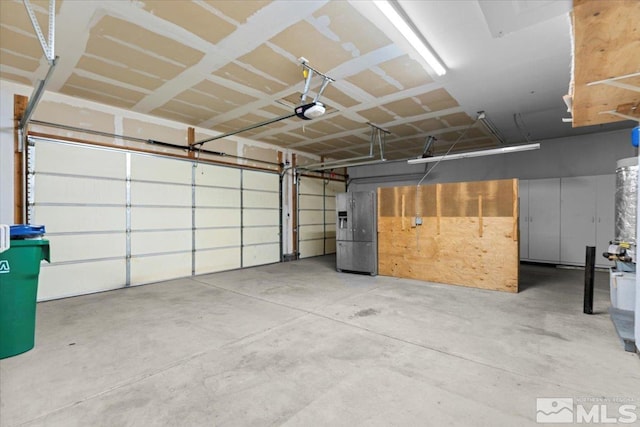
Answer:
[(19, 270)]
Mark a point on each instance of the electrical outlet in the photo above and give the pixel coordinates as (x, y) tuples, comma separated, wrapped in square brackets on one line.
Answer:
[(418, 220)]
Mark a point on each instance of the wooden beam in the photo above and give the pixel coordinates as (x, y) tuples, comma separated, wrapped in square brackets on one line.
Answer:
[(606, 35), (191, 139), (20, 103)]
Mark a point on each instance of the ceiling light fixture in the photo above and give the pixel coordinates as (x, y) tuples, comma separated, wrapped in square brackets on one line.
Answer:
[(409, 32), (502, 150)]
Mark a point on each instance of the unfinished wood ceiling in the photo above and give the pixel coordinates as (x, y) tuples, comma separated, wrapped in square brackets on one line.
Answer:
[(224, 65)]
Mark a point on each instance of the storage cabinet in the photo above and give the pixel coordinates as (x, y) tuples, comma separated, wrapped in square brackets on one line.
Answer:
[(560, 217), (544, 220)]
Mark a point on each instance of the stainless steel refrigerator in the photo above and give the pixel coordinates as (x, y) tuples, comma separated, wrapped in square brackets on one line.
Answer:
[(357, 232)]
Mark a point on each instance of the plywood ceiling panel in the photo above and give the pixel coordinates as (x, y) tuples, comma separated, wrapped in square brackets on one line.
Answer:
[(376, 116), (405, 70), (239, 74), (346, 124), (97, 96), (14, 77), (192, 110), (273, 65), (286, 138), (119, 72), (131, 58), (405, 107), (374, 84), (331, 93), (341, 18), (104, 88), (194, 17), (436, 100), (403, 130), (222, 98), (276, 109), (429, 125), (298, 40), (21, 62), (129, 34), (457, 119), (239, 11), (14, 41)]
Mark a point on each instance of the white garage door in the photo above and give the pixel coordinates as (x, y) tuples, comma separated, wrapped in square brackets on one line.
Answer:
[(116, 218), (316, 215)]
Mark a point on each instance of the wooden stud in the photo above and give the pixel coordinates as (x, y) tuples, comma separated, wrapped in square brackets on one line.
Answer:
[(191, 139), (438, 206), (516, 230), (20, 103), (480, 214), (403, 212)]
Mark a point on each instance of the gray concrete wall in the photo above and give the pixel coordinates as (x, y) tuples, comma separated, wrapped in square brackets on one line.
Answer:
[(594, 154)]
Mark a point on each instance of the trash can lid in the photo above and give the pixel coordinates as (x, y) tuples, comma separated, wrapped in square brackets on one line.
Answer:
[(25, 231)]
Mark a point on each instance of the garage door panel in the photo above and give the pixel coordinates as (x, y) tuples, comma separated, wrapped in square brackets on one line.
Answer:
[(87, 246), (311, 217), (54, 158), (144, 193), (311, 202), (159, 267), (151, 242), (219, 176), (143, 218), (260, 180), (257, 235), (59, 219), (308, 232), (253, 217), (260, 254), (330, 203), (217, 238), (68, 189), (309, 248), (65, 280), (260, 199), (148, 168), (311, 186), (217, 197), (218, 218), (210, 261)]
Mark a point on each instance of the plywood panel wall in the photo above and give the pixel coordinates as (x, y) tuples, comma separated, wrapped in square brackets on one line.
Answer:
[(468, 236)]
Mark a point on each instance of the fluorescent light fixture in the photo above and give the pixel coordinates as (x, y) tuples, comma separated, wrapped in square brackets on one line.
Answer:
[(502, 150), (405, 29)]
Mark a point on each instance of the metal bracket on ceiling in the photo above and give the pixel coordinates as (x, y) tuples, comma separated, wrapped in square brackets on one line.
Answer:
[(490, 127), (307, 72), (47, 47), (427, 150), (378, 137)]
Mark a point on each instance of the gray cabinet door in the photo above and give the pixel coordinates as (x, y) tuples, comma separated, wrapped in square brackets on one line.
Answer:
[(544, 220), (605, 222), (523, 212), (578, 218)]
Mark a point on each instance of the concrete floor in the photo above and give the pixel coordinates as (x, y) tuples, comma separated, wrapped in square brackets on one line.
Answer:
[(299, 344)]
